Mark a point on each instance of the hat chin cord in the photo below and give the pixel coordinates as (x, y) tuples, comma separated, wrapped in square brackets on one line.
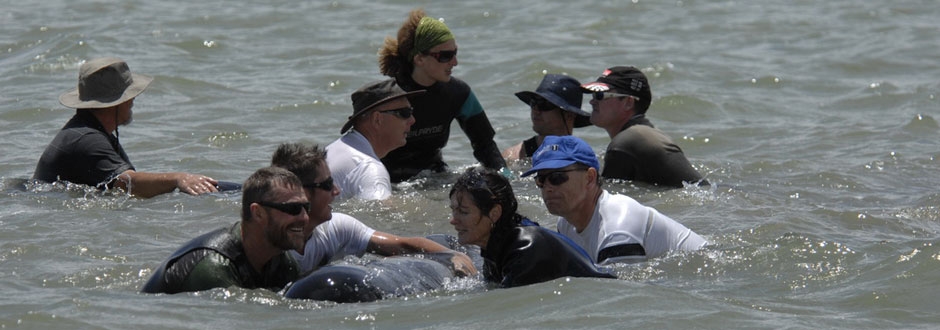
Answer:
[(117, 134), (565, 121)]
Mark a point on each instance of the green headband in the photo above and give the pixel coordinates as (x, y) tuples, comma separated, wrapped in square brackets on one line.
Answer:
[(430, 33)]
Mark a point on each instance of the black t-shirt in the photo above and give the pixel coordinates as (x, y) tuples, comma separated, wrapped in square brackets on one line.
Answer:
[(529, 147), (82, 152)]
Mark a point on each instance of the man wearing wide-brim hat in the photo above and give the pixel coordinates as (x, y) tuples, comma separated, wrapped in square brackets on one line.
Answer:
[(380, 122), (555, 110), (87, 151)]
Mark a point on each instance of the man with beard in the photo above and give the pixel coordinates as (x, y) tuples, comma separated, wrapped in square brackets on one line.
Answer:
[(333, 235), (253, 252)]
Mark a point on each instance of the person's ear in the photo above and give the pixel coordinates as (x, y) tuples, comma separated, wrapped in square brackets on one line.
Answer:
[(257, 212), (630, 103), (496, 212), (591, 176)]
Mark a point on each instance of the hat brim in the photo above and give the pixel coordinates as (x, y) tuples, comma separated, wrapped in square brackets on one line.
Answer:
[(71, 98), (549, 165), (595, 86), (583, 117), (352, 119)]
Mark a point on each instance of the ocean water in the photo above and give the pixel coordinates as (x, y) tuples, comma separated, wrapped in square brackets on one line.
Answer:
[(816, 119)]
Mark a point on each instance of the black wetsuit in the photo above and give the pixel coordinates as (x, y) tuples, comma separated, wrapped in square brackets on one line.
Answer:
[(641, 152), (217, 260), (529, 147), (527, 254), (434, 112), (82, 152)]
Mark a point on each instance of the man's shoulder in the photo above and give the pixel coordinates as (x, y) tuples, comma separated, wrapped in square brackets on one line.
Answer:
[(639, 134), (340, 222), (616, 208), (609, 200)]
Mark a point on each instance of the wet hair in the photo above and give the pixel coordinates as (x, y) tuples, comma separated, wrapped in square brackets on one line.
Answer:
[(486, 189), (301, 159), (260, 185), (393, 56)]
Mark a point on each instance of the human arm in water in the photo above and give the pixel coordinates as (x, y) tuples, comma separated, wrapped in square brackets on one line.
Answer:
[(388, 244), (148, 184)]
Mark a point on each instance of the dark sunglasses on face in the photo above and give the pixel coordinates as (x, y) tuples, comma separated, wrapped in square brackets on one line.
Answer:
[(555, 178), (403, 113), (289, 208), (325, 185), (542, 105), (443, 56), (600, 96)]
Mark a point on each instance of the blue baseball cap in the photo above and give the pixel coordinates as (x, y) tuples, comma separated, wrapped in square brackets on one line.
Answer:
[(561, 151)]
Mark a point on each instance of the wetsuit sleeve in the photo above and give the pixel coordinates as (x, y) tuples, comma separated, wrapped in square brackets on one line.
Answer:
[(480, 132), (213, 271), (538, 255), (524, 262)]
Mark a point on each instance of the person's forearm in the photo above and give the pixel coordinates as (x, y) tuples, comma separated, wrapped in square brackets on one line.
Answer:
[(388, 245), (146, 185)]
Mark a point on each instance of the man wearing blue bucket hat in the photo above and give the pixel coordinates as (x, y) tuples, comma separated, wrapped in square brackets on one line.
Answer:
[(555, 110), (637, 150), (610, 227)]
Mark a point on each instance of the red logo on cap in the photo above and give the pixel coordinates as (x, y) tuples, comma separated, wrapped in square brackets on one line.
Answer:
[(596, 87), (606, 73)]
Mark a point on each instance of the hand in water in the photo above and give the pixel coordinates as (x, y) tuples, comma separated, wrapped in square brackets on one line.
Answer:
[(463, 265)]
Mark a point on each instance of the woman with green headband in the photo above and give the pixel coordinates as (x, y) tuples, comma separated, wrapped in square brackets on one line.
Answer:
[(423, 57)]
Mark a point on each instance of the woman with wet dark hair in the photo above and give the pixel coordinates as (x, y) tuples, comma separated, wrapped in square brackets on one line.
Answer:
[(516, 250)]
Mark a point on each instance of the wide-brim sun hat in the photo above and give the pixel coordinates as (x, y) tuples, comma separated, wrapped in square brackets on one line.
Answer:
[(372, 95), (104, 82), (562, 91)]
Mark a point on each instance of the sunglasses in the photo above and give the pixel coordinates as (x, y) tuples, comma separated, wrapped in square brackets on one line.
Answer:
[(443, 56), (600, 96), (403, 113), (542, 105), (555, 178), (325, 185), (289, 208)]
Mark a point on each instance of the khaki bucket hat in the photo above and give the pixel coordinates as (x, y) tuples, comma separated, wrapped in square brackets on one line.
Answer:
[(104, 82)]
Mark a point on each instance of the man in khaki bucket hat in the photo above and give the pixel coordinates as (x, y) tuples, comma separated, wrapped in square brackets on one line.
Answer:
[(87, 151)]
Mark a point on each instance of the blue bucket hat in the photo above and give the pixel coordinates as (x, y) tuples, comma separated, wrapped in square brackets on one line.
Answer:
[(562, 91), (561, 151)]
